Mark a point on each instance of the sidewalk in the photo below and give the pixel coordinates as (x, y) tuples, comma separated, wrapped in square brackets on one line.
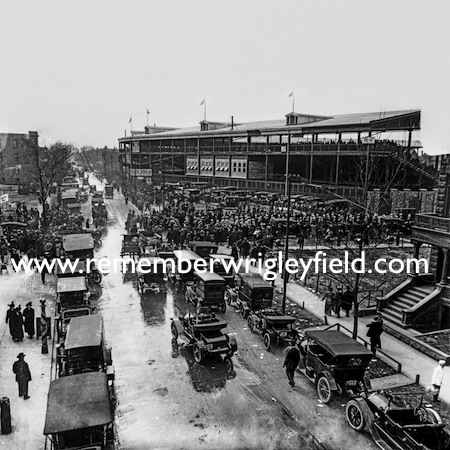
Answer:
[(27, 417), (413, 362)]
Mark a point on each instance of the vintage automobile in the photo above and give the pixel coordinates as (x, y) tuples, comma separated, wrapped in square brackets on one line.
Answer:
[(209, 290), (150, 275), (85, 349), (69, 198), (74, 208), (334, 362), (203, 248), (273, 326), (254, 293), (72, 293), (219, 268), (182, 259), (81, 246), (109, 191), (396, 427), (203, 332), (80, 413), (131, 245)]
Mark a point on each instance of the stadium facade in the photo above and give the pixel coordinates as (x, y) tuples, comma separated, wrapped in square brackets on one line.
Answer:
[(332, 156)]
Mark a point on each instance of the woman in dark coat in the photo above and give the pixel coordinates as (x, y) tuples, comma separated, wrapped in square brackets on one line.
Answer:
[(374, 333), (16, 324), (28, 316)]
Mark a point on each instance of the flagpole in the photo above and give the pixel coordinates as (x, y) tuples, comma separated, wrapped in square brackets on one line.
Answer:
[(293, 101), (147, 117), (204, 111)]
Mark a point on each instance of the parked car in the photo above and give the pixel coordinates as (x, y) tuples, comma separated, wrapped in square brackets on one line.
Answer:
[(109, 191), (209, 291), (273, 326), (334, 362), (72, 293), (80, 413), (203, 248), (182, 259), (150, 276), (254, 293), (85, 349), (203, 332), (220, 268), (395, 427)]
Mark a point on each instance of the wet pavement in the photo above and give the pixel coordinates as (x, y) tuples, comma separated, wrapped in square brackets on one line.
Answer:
[(166, 400)]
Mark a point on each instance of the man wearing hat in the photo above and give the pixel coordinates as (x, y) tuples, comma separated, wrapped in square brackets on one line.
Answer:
[(23, 375), (9, 314), (28, 316), (436, 380), (374, 333)]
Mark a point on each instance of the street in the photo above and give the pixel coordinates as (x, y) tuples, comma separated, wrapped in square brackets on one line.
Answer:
[(165, 399), (169, 401)]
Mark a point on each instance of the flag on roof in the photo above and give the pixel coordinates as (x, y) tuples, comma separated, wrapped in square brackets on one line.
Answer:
[(148, 112), (202, 102), (130, 120), (291, 94)]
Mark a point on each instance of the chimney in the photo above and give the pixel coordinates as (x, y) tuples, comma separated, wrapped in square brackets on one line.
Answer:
[(232, 123)]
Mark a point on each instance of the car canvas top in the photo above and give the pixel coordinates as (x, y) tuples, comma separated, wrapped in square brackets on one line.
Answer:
[(84, 331), (77, 402), (71, 284), (337, 343)]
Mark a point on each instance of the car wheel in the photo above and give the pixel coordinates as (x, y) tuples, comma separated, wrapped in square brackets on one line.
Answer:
[(174, 330), (96, 277), (250, 323), (355, 416), (198, 356), (243, 312), (267, 341), (324, 389), (228, 298), (223, 307)]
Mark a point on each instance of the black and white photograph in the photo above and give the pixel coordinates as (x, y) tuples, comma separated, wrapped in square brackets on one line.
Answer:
[(225, 225)]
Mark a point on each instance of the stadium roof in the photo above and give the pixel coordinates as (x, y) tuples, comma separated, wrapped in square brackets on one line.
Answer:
[(387, 121)]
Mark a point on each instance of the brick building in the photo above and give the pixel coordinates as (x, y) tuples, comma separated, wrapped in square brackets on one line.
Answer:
[(14, 156)]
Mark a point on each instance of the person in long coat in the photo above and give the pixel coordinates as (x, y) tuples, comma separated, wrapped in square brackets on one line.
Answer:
[(291, 361), (23, 375), (16, 324), (374, 333), (9, 314), (28, 316)]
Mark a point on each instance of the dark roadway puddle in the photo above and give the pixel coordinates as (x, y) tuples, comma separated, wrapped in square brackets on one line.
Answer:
[(209, 376)]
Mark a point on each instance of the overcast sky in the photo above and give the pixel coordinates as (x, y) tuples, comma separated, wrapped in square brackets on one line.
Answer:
[(77, 71)]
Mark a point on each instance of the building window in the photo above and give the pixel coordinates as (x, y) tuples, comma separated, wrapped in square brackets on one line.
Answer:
[(234, 166), (15, 143), (244, 166)]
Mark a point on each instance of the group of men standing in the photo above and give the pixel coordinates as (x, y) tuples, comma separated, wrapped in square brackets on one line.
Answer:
[(19, 322), (335, 301)]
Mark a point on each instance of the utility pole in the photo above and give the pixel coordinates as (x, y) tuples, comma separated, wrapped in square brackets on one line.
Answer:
[(286, 246)]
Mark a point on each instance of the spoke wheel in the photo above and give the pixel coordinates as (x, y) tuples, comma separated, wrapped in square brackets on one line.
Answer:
[(324, 389), (242, 311), (198, 356), (174, 330), (223, 307), (355, 417), (250, 323), (267, 341)]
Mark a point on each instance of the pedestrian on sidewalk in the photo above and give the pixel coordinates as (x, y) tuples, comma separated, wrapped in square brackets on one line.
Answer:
[(374, 333), (16, 324), (23, 375), (347, 301), (9, 315), (436, 380), (337, 302), (28, 322), (329, 299), (291, 361)]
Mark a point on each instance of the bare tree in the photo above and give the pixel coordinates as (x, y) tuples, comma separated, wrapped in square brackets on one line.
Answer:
[(47, 168)]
